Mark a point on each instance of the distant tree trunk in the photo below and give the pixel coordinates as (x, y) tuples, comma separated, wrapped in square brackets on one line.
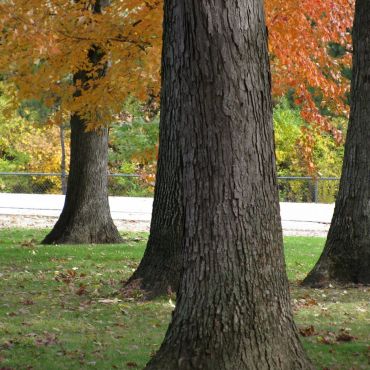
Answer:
[(159, 270), (86, 215), (346, 256), (233, 307), (63, 159)]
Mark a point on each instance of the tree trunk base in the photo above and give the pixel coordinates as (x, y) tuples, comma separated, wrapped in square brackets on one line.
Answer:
[(252, 358), (338, 271), (157, 276), (86, 217), (151, 289), (66, 233), (317, 281)]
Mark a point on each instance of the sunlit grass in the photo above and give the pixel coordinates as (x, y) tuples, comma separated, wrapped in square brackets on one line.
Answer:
[(61, 308)]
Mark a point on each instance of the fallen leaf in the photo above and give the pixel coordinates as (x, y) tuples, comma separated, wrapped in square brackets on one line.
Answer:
[(325, 339), (7, 344), (360, 309), (47, 340), (72, 272), (309, 331), (131, 364), (81, 290), (344, 336), (109, 301)]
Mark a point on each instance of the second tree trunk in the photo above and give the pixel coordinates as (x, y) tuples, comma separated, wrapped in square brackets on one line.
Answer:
[(159, 270)]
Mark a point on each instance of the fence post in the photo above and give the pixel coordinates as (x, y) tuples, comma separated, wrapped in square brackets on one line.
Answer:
[(316, 190)]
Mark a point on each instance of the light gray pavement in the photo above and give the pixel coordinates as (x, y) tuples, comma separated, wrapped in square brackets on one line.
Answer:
[(297, 218), (122, 208)]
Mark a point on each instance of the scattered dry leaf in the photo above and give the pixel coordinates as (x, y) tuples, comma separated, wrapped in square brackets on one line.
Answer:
[(325, 339), (81, 290), (131, 364), (344, 336), (109, 301), (309, 331)]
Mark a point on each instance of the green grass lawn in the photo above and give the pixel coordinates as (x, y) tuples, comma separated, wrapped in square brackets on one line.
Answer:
[(60, 307)]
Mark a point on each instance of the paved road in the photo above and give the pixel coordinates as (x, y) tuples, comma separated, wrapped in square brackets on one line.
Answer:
[(295, 216), (122, 208), (305, 217)]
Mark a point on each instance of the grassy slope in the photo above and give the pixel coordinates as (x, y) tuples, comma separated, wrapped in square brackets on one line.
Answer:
[(60, 307)]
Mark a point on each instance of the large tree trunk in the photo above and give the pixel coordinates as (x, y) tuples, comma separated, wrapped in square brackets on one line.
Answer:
[(159, 270), (86, 215), (233, 308), (346, 256)]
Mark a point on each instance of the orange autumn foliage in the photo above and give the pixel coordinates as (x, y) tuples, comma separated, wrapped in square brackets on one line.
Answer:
[(300, 32), (45, 42)]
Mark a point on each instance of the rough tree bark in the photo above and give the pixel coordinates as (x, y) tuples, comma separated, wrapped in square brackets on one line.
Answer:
[(233, 308), (159, 269), (86, 217), (346, 256)]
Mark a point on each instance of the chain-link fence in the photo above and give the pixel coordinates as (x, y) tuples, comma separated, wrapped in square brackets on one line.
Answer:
[(56, 183), (308, 189), (291, 189), (31, 183)]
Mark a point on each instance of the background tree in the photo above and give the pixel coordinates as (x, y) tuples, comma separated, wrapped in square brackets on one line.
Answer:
[(233, 308), (310, 50), (327, 156), (346, 256), (32, 147), (44, 43), (81, 40), (133, 148), (86, 217), (314, 77)]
